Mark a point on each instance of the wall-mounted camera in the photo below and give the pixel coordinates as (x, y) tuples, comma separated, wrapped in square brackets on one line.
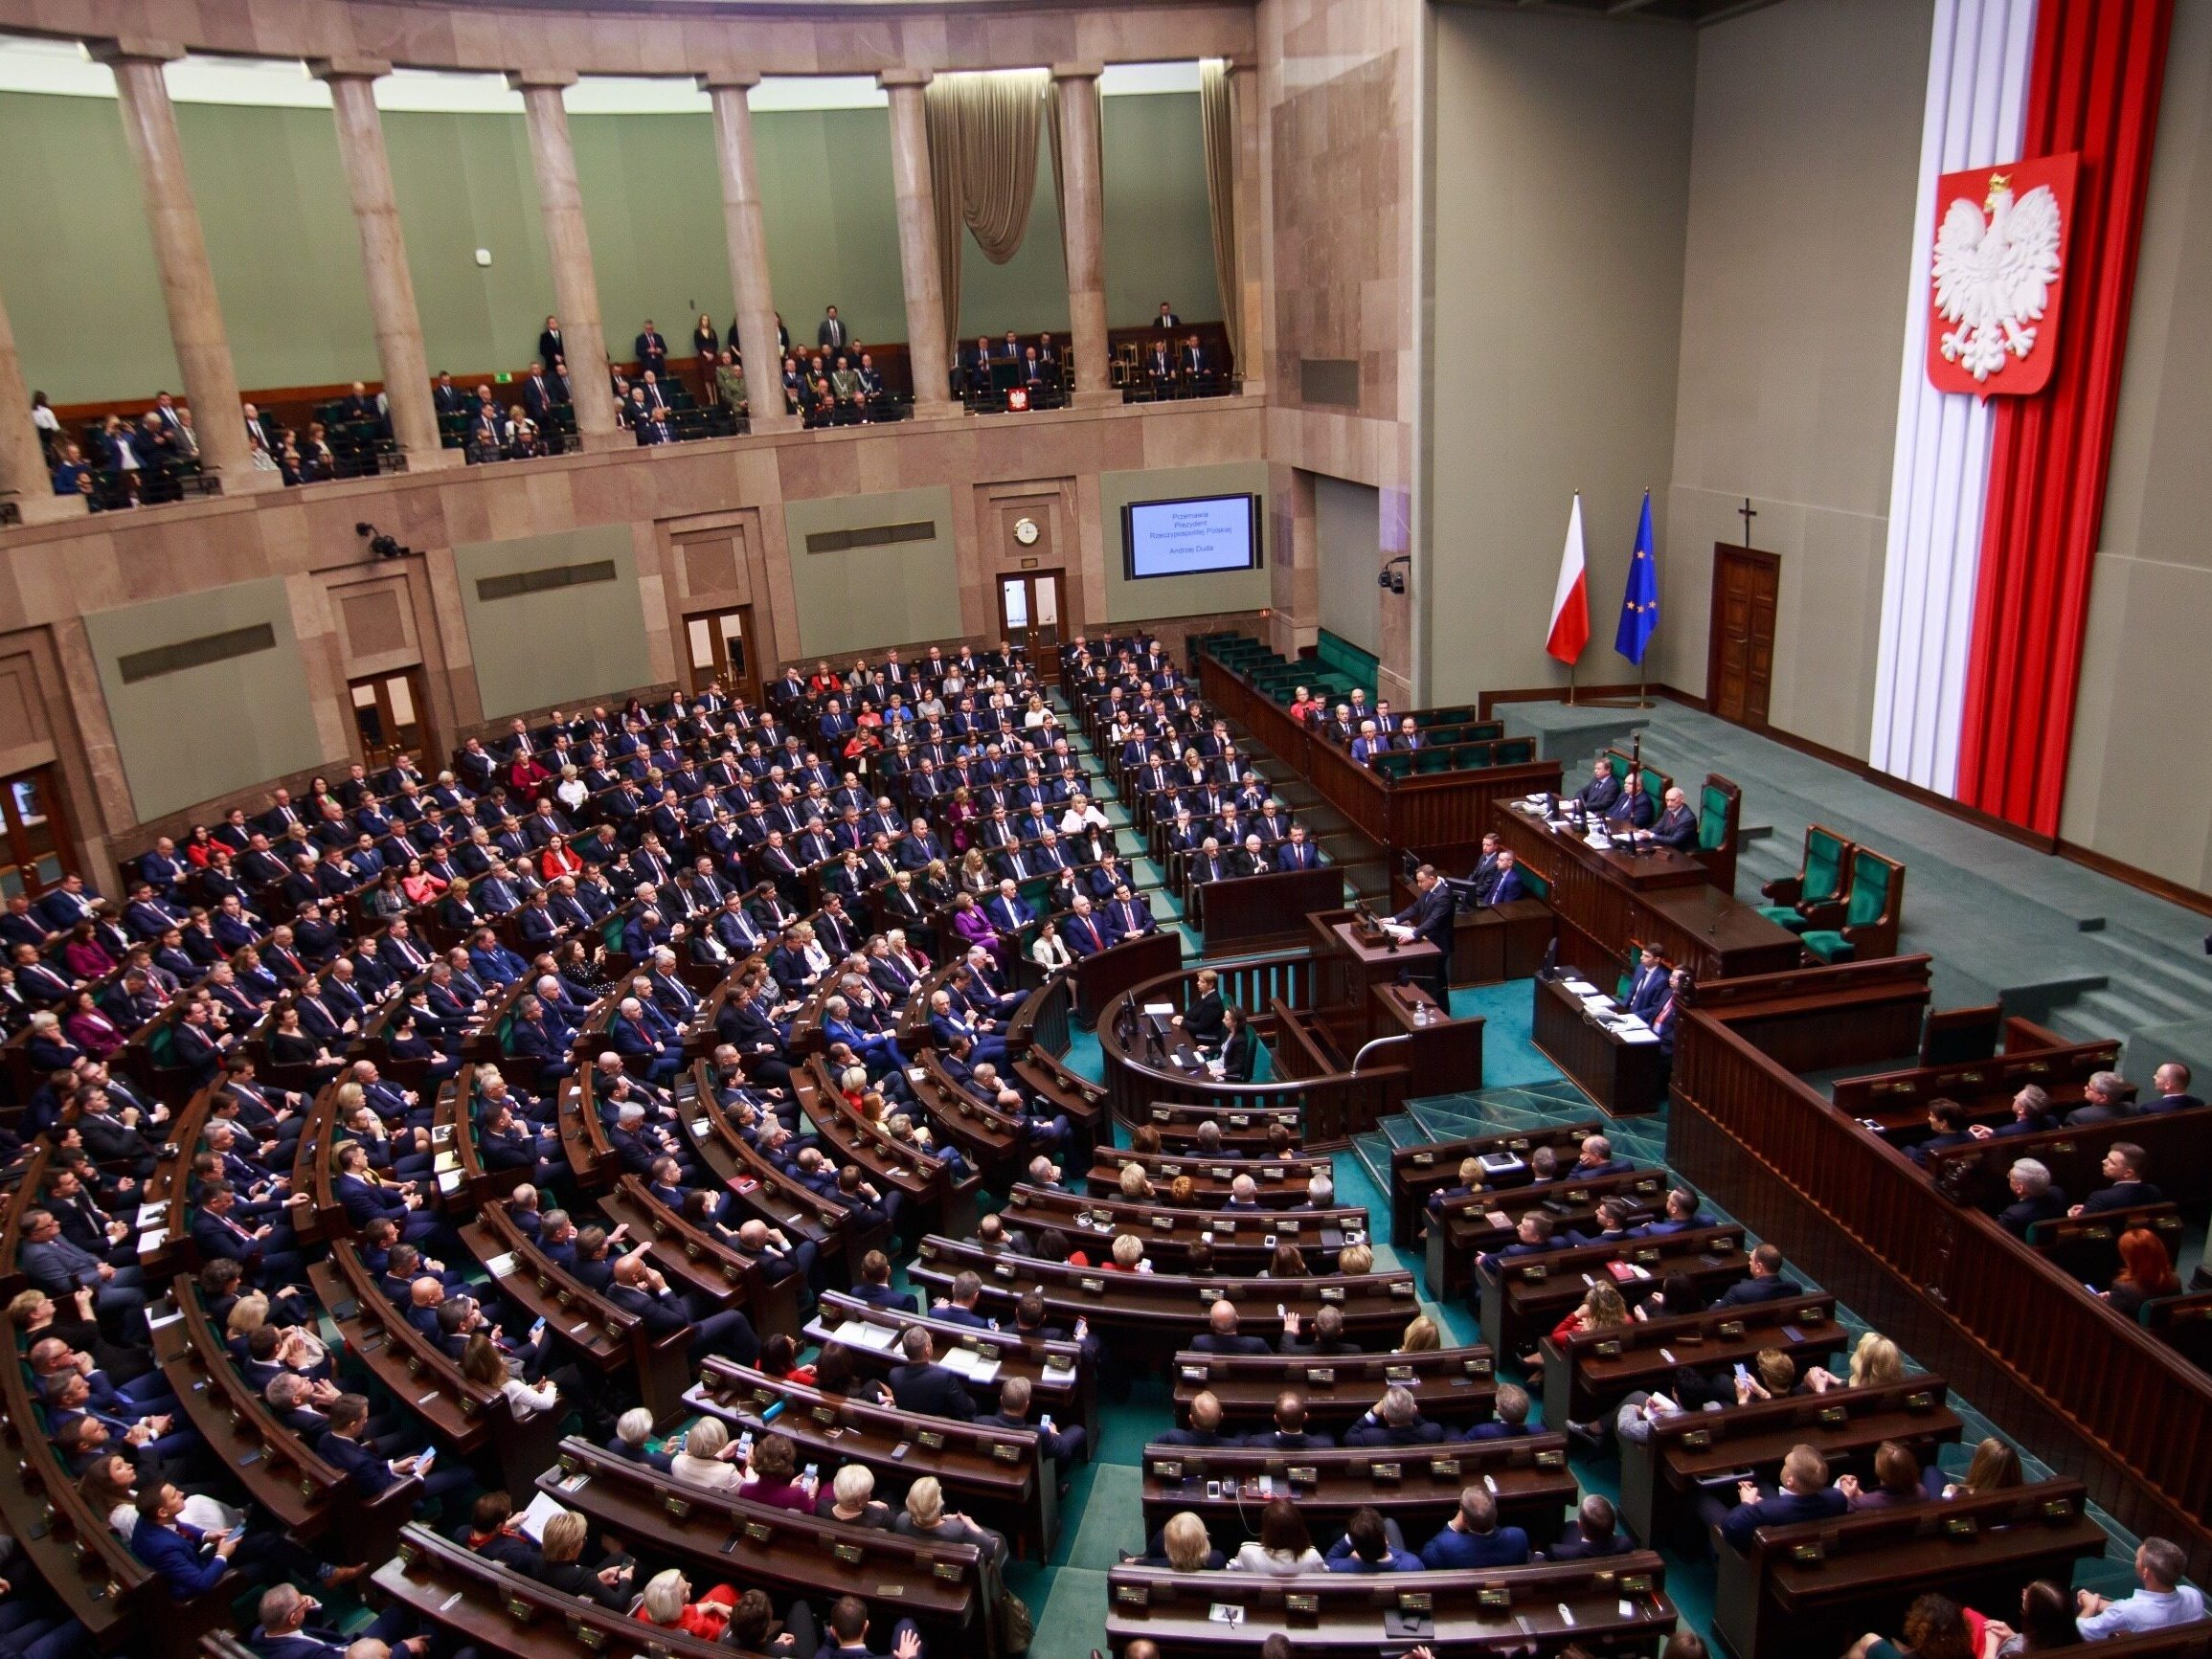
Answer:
[(384, 547), (1391, 577)]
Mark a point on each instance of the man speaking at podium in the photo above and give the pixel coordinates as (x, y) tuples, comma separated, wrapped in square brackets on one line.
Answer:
[(1429, 917)]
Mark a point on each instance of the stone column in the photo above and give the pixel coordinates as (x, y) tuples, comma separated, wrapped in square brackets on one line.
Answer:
[(917, 244), (26, 484), (755, 321), (1083, 229), (1244, 95), (406, 369), (187, 283), (576, 289)]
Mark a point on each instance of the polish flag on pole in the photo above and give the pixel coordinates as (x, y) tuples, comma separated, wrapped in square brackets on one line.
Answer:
[(1570, 598)]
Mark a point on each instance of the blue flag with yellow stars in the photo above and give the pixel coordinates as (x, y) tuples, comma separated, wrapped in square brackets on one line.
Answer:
[(1639, 602)]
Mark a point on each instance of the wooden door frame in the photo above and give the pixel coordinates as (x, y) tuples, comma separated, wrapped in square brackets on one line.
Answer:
[(412, 673), (1722, 552), (49, 774), (747, 686), (1064, 628)]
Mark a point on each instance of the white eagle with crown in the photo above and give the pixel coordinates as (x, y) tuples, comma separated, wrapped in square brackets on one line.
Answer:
[(1995, 265)]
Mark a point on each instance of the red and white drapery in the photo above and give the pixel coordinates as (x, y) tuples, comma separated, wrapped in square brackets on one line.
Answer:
[(1995, 509)]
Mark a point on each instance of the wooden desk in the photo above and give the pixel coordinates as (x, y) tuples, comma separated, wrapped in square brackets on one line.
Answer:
[(1522, 1297), (1262, 913), (1590, 1374), (1454, 1386), (1625, 1079), (1609, 902), (1465, 1227), (1416, 1486), (1431, 1166), (1613, 1606), (1660, 1476)]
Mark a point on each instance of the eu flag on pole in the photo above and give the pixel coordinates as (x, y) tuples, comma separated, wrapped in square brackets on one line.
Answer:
[(1639, 602)]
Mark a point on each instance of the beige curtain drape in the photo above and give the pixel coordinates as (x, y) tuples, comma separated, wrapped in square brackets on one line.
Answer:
[(983, 132), (1217, 113)]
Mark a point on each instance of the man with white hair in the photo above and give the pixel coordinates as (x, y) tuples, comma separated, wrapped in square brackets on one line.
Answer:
[(1243, 1193), (285, 1632), (1677, 826), (641, 1048)]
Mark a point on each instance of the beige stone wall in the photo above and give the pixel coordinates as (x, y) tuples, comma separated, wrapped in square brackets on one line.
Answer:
[(706, 529), (1561, 183), (1801, 228), (2142, 740)]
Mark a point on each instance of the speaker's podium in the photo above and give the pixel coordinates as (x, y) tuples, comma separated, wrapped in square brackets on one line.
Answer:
[(1363, 993)]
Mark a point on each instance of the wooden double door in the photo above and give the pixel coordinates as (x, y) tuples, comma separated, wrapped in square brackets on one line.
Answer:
[(1740, 660)]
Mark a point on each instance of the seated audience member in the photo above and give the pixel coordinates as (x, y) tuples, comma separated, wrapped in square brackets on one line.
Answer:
[(926, 1517), (1222, 1337), (1284, 1547), (1182, 1547), (2031, 1115), (1896, 1480), (2104, 1098), (1204, 1430), (1765, 1283), (2170, 1086), (1934, 1628), (1596, 1531), (2146, 1271), (2034, 1198), (2165, 1601), (1805, 1495), (1367, 1547), (2123, 1166), (1473, 1538), (1394, 1419)]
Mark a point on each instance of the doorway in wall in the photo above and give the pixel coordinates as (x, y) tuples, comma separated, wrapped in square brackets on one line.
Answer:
[(719, 646), (1030, 613), (34, 845), (391, 717), (1740, 659)]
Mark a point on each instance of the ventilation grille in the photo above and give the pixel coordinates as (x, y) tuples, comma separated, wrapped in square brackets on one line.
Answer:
[(195, 653), (872, 536), (1330, 380), (544, 581)]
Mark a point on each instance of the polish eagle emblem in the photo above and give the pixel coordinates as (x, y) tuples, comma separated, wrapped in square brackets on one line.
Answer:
[(1999, 252)]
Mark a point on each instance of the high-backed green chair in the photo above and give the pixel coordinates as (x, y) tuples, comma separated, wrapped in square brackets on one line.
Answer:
[(1427, 760), (1871, 912), (1814, 896), (1393, 766), (1720, 810)]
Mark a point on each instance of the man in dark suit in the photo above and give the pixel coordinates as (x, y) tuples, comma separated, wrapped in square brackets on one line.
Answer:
[(537, 395), (831, 334), (2171, 1081), (921, 1385), (1595, 1531), (2105, 1097), (875, 1287), (1505, 883), (1294, 852), (2034, 1198), (1167, 319), (446, 397), (1805, 1496), (1065, 1447), (1222, 1335), (1675, 827), (1473, 1539), (1430, 916), (1947, 1126), (2123, 1166), (1765, 1284), (1603, 789), (1290, 1433), (549, 343), (1394, 1419), (1635, 810), (652, 351), (1647, 986), (1205, 1428)]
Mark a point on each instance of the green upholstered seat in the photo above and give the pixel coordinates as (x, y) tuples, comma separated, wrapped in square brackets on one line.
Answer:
[(1262, 1063), (1784, 916), (1830, 945), (1823, 873), (1713, 818), (1392, 766)]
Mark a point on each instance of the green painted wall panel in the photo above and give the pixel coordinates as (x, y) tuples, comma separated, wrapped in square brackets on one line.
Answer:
[(1159, 232), (77, 264), (601, 625), (859, 598), (464, 182), (279, 226), (831, 220), (653, 203)]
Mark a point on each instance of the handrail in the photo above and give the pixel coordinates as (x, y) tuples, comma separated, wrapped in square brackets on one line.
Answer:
[(1368, 1047)]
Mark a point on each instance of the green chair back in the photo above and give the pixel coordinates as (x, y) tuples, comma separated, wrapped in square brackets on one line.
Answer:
[(1393, 766), (161, 1046), (1537, 887), (611, 933), (1713, 819), (1823, 873), (1427, 760), (1870, 877), (1262, 1063), (1513, 751)]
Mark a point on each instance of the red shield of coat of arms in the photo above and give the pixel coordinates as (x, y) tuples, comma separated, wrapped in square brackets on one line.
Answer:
[(1998, 275)]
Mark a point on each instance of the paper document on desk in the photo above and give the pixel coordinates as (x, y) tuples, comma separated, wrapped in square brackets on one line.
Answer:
[(1629, 1022), (1638, 1034), (1579, 987), (860, 1333), (1597, 1002), (1057, 1374), (1398, 930), (968, 1363), (1160, 1009)]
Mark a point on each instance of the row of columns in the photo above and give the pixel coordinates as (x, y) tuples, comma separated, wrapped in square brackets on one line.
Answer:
[(203, 349)]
